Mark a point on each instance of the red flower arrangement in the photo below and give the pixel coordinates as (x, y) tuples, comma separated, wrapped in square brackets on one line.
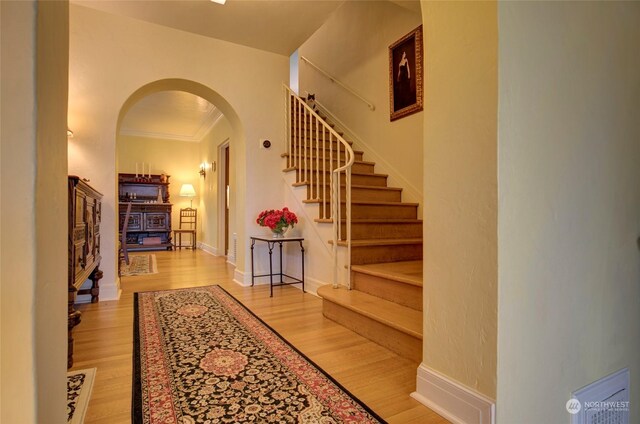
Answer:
[(277, 220)]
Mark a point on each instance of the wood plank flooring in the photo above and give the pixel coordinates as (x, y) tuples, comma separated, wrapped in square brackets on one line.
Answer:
[(104, 340)]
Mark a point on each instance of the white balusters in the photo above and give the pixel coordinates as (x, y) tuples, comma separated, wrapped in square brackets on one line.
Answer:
[(302, 124)]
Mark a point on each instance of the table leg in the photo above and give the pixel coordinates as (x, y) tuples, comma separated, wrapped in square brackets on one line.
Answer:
[(271, 246), (281, 276), (252, 270), (95, 277), (302, 254)]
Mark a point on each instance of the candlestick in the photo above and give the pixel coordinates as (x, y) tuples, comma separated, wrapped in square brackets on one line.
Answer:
[(136, 169)]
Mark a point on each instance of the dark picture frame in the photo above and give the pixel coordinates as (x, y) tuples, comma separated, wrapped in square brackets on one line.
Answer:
[(405, 75)]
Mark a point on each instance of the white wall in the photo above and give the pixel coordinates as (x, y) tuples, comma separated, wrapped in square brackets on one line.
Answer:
[(111, 57), (34, 211), (353, 46), (569, 169), (294, 60)]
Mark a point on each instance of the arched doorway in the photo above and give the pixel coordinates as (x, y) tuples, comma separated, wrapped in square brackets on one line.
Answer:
[(217, 218)]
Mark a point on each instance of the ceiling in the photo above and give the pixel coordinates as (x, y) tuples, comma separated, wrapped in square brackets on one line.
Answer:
[(273, 25), (171, 115), (277, 26)]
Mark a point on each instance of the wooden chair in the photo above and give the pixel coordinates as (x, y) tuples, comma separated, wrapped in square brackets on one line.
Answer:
[(187, 225), (123, 252)]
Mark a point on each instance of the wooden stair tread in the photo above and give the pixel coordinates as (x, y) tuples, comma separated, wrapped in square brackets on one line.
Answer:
[(374, 220), (367, 187), (377, 203), (311, 135), (364, 174), (353, 173), (380, 242), (361, 162), (399, 317), (286, 155), (409, 272)]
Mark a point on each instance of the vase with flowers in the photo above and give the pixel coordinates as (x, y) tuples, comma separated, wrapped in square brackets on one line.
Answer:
[(278, 221)]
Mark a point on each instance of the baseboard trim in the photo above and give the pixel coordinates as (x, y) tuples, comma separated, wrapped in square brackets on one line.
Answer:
[(209, 249), (311, 285), (240, 278), (455, 402), (109, 292)]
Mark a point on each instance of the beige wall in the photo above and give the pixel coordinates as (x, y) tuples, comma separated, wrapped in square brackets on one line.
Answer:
[(569, 143), (34, 211), (18, 231), (179, 159), (112, 57), (460, 188), (353, 46)]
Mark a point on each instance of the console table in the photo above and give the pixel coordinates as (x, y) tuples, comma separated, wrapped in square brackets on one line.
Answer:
[(271, 243)]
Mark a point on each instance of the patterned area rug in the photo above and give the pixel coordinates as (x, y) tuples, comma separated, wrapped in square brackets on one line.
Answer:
[(200, 356), (79, 385), (140, 265)]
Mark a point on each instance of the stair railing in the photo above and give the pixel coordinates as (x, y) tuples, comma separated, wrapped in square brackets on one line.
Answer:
[(341, 84), (307, 133)]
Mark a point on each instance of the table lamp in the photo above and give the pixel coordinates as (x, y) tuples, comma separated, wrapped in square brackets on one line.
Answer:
[(187, 190)]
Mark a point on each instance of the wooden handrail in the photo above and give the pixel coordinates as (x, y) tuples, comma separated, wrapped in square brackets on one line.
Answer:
[(308, 133), (341, 84)]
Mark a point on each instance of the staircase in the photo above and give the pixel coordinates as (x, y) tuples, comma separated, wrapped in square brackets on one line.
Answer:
[(384, 303)]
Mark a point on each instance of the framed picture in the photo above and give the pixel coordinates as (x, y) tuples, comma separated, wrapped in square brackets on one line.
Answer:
[(405, 75)]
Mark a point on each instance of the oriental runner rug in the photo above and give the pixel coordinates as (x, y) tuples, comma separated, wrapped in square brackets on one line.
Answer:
[(200, 356), (79, 385), (140, 265)]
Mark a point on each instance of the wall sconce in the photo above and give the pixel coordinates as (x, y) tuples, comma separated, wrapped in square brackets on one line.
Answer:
[(204, 166), (69, 133)]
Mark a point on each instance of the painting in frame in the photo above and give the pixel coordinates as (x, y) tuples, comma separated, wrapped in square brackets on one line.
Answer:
[(405, 75)]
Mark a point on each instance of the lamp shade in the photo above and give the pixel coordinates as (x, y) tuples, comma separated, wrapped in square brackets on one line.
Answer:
[(187, 190)]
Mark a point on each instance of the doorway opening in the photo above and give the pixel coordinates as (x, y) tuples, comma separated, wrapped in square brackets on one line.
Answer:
[(194, 161), (224, 194)]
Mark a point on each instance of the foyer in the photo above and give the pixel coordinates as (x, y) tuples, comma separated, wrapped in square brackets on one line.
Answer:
[(375, 375)]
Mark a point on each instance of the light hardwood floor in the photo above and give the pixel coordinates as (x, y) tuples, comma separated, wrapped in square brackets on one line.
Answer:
[(375, 375)]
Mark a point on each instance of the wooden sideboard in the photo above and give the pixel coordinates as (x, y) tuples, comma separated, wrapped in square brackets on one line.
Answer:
[(85, 213), (150, 219)]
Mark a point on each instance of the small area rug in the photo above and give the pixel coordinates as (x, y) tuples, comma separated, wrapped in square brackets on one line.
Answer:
[(140, 265), (200, 356), (79, 385)]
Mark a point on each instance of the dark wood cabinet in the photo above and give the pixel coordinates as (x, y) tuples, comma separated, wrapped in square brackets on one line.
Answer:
[(85, 215), (150, 219)]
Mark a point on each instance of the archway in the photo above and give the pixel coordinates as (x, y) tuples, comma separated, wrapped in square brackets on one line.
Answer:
[(208, 186)]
